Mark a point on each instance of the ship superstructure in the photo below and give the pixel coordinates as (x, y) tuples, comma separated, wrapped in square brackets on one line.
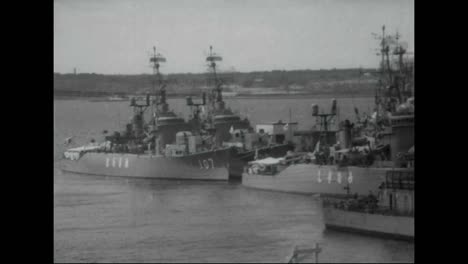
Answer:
[(166, 146), (221, 119), (229, 129), (362, 153)]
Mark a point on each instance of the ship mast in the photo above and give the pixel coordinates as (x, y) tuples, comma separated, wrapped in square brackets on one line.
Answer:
[(386, 77), (395, 80), (324, 119), (156, 59), (400, 51), (217, 91)]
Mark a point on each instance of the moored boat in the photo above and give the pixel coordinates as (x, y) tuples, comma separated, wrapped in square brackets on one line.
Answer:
[(209, 165), (303, 177), (164, 147), (390, 213), (229, 129), (357, 157)]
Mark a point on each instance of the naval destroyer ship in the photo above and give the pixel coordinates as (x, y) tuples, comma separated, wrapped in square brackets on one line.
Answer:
[(229, 129), (359, 157), (166, 146)]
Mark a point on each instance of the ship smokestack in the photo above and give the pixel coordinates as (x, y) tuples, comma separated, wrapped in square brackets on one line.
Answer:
[(315, 110), (334, 107), (138, 124), (344, 134)]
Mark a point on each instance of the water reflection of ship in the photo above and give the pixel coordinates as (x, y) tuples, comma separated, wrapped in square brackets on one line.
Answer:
[(228, 129), (357, 157), (164, 147)]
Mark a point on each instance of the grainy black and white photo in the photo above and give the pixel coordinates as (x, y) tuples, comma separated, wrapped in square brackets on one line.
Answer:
[(233, 131)]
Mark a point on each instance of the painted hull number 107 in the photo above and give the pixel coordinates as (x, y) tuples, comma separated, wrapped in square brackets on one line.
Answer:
[(206, 164)]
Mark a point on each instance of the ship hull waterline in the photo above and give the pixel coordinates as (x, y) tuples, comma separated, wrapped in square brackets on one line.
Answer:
[(320, 179), (389, 226), (210, 165)]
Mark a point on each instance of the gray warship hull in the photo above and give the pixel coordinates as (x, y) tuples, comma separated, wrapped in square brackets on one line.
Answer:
[(398, 227), (320, 179), (209, 165)]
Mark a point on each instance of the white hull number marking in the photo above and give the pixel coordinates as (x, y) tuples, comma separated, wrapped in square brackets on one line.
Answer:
[(339, 177), (205, 164), (114, 162)]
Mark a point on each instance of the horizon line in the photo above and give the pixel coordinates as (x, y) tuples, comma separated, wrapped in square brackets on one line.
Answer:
[(221, 72)]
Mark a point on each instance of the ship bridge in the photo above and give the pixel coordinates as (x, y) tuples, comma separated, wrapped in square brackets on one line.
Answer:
[(169, 118), (168, 124), (226, 118)]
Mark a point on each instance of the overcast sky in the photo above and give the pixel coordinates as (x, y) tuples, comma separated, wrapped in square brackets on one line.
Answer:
[(116, 37)]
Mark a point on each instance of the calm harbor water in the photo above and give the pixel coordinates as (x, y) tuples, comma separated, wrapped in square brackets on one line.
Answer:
[(109, 219)]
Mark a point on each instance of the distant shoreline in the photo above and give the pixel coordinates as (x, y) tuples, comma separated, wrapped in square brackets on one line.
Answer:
[(242, 96), (294, 96)]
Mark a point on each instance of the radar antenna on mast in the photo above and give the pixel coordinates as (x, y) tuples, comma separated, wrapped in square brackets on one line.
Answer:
[(324, 119), (212, 58), (395, 75), (156, 60)]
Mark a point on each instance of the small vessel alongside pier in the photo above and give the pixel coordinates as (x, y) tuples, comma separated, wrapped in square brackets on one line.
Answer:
[(389, 214)]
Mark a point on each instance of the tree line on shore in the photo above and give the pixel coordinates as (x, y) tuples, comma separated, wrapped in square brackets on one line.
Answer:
[(334, 81)]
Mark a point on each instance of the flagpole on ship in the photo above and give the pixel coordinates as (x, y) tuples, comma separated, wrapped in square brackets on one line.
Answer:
[(289, 125)]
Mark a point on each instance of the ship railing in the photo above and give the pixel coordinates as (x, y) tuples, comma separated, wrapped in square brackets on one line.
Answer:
[(294, 160), (353, 205), (400, 179), (273, 169), (77, 153), (262, 169)]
